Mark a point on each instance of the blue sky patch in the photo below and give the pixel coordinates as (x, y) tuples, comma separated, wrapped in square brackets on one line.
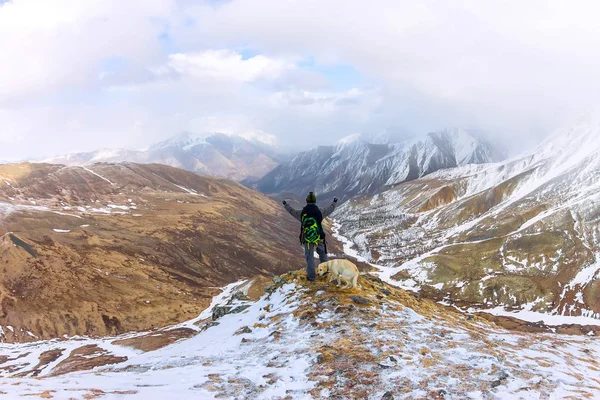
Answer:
[(113, 64), (340, 76)]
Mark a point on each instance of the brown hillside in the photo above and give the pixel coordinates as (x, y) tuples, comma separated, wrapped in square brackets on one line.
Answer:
[(117, 247)]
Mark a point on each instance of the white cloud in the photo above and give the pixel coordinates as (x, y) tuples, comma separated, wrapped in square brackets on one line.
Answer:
[(227, 65), (82, 74), (49, 46), (509, 65)]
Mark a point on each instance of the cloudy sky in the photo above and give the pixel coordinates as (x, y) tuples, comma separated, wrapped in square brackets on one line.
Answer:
[(83, 74)]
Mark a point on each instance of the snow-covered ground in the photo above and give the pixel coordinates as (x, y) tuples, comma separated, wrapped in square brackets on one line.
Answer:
[(418, 231), (303, 342), (419, 274)]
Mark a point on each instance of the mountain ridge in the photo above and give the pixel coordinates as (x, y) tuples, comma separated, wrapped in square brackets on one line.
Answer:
[(215, 154), (353, 166), (519, 235)]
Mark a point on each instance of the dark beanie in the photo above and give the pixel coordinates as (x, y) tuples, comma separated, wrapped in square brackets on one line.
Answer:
[(311, 198)]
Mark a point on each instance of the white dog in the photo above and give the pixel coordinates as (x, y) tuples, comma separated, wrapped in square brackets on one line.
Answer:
[(340, 269)]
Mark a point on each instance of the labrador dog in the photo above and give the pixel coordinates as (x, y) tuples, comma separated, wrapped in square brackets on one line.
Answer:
[(340, 269)]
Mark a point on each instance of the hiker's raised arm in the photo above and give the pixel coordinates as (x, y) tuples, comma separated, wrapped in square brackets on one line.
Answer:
[(295, 213), (327, 212)]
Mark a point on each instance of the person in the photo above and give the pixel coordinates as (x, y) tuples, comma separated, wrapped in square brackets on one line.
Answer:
[(312, 234)]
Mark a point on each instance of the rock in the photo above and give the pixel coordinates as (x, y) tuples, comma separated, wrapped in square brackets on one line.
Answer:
[(393, 359), (209, 325), (360, 300), (470, 317), (270, 289), (501, 378), (385, 291), (239, 296), (220, 311), (387, 396), (244, 340), (239, 309), (324, 356), (278, 280), (385, 365), (242, 330)]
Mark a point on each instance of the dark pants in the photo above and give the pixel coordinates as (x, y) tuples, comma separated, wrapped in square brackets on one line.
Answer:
[(309, 250)]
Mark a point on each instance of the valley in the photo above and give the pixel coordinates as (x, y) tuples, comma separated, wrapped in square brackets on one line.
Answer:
[(521, 235)]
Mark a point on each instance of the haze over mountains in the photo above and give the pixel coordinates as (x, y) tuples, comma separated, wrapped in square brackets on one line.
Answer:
[(217, 154), (365, 165)]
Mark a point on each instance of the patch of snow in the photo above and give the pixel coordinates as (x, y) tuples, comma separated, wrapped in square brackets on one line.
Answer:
[(118, 207), (533, 316), (191, 191), (586, 275), (67, 215), (61, 230), (98, 175)]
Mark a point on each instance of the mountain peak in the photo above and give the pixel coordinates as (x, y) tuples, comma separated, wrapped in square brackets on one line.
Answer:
[(219, 154), (349, 139), (354, 165)]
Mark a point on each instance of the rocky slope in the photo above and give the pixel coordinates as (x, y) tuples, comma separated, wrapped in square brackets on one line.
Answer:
[(359, 166), (517, 235), (217, 154), (109, 248), (305, 340)]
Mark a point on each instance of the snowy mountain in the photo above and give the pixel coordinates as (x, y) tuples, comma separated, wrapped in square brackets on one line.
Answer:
[(311, 341), (520, 235), (216, 154), (357, 165)]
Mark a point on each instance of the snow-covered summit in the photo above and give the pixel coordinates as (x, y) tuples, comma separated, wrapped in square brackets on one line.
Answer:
[(185, 141), (219, 154), (349, 139), (355, 165)]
